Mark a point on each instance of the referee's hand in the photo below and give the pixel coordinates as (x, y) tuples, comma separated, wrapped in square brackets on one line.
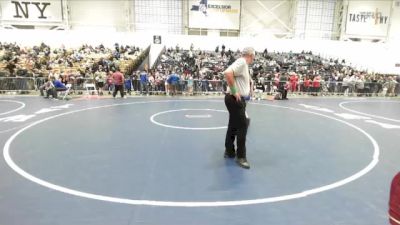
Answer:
[(237, 96)]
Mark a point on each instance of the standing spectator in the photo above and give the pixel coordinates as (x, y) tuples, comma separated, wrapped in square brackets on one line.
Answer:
[(345, 85), (258, 91), (284, 86), (374, 86), (173, 82), (307, 84), (190, 84), (352, 84), (277, 80), (293, 82), (316, 84), (397, 89), (152, 82), (128, 86), (166, 83), (118, 79), (367, 86), (100, 78), (110, 82), (144, 81), (380, 84), (159, 82), (391, 85), (360, 85)]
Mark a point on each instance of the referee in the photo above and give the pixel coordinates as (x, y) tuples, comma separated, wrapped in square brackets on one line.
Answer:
[(238, 79)]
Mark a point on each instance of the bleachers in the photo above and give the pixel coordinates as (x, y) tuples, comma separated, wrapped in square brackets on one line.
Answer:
[(77, 67)]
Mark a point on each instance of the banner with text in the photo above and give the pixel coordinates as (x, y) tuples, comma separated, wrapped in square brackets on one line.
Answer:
[(368, 18), (31, 11), (214, 14)]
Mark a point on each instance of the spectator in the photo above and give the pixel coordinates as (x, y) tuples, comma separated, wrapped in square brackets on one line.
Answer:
[(100, 77), (144, 82), (316, 84), (173, 82), (47, 86), (190, 84), (58, 86), (391, 85)]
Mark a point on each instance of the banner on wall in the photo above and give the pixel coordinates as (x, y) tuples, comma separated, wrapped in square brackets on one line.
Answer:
[(368, 18), (157, 39), (214, 14), (31, 11)]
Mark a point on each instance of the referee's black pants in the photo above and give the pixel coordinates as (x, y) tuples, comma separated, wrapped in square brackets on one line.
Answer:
[(237, 126)]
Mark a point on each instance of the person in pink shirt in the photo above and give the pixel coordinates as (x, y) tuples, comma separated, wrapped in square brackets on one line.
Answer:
[(293, 82), (118, 79)]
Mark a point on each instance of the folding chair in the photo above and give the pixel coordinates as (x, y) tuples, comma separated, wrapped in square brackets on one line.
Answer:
[(89, 88), (66, 92)]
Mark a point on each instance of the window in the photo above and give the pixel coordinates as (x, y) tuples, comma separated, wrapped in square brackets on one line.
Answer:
[(159, 15), (194, 31), (314, 18)]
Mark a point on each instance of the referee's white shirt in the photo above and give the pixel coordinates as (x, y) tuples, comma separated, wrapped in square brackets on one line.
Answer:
[(241, 76)]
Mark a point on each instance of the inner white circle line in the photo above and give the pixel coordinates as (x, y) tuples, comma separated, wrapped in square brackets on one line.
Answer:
[(16, 168), (186, 128), (201, 116), (14, 110), (341, 105)]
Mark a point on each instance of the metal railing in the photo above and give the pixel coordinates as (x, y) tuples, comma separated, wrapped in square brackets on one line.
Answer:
[(26, 85)]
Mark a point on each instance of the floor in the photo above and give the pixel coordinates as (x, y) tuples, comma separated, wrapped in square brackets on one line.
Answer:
[(156, 161)]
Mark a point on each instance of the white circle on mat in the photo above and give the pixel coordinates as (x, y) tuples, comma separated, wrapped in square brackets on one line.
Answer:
[(153, 120), (14, 110), (10, 162), (341, 105)]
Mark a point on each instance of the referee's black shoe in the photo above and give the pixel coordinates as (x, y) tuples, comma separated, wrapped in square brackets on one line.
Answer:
[(229, 154), (242, 162)]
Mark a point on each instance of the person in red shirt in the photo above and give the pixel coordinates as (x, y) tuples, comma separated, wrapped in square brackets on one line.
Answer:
[(277, 79), (316, 84), (293, 82), (118, 79), (306, 84)]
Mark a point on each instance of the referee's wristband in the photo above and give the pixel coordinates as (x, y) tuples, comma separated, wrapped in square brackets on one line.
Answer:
[(233, 90)]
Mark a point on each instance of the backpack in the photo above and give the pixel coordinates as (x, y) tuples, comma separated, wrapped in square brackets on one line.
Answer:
[(394, 201)]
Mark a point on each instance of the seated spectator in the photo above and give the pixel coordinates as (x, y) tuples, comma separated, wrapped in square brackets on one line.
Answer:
[(47, 86), (57, 86)]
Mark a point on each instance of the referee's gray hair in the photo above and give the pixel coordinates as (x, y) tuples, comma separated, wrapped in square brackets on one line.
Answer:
[(248, 51)]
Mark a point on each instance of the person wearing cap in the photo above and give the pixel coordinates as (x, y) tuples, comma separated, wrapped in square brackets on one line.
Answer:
[(238, 79)]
